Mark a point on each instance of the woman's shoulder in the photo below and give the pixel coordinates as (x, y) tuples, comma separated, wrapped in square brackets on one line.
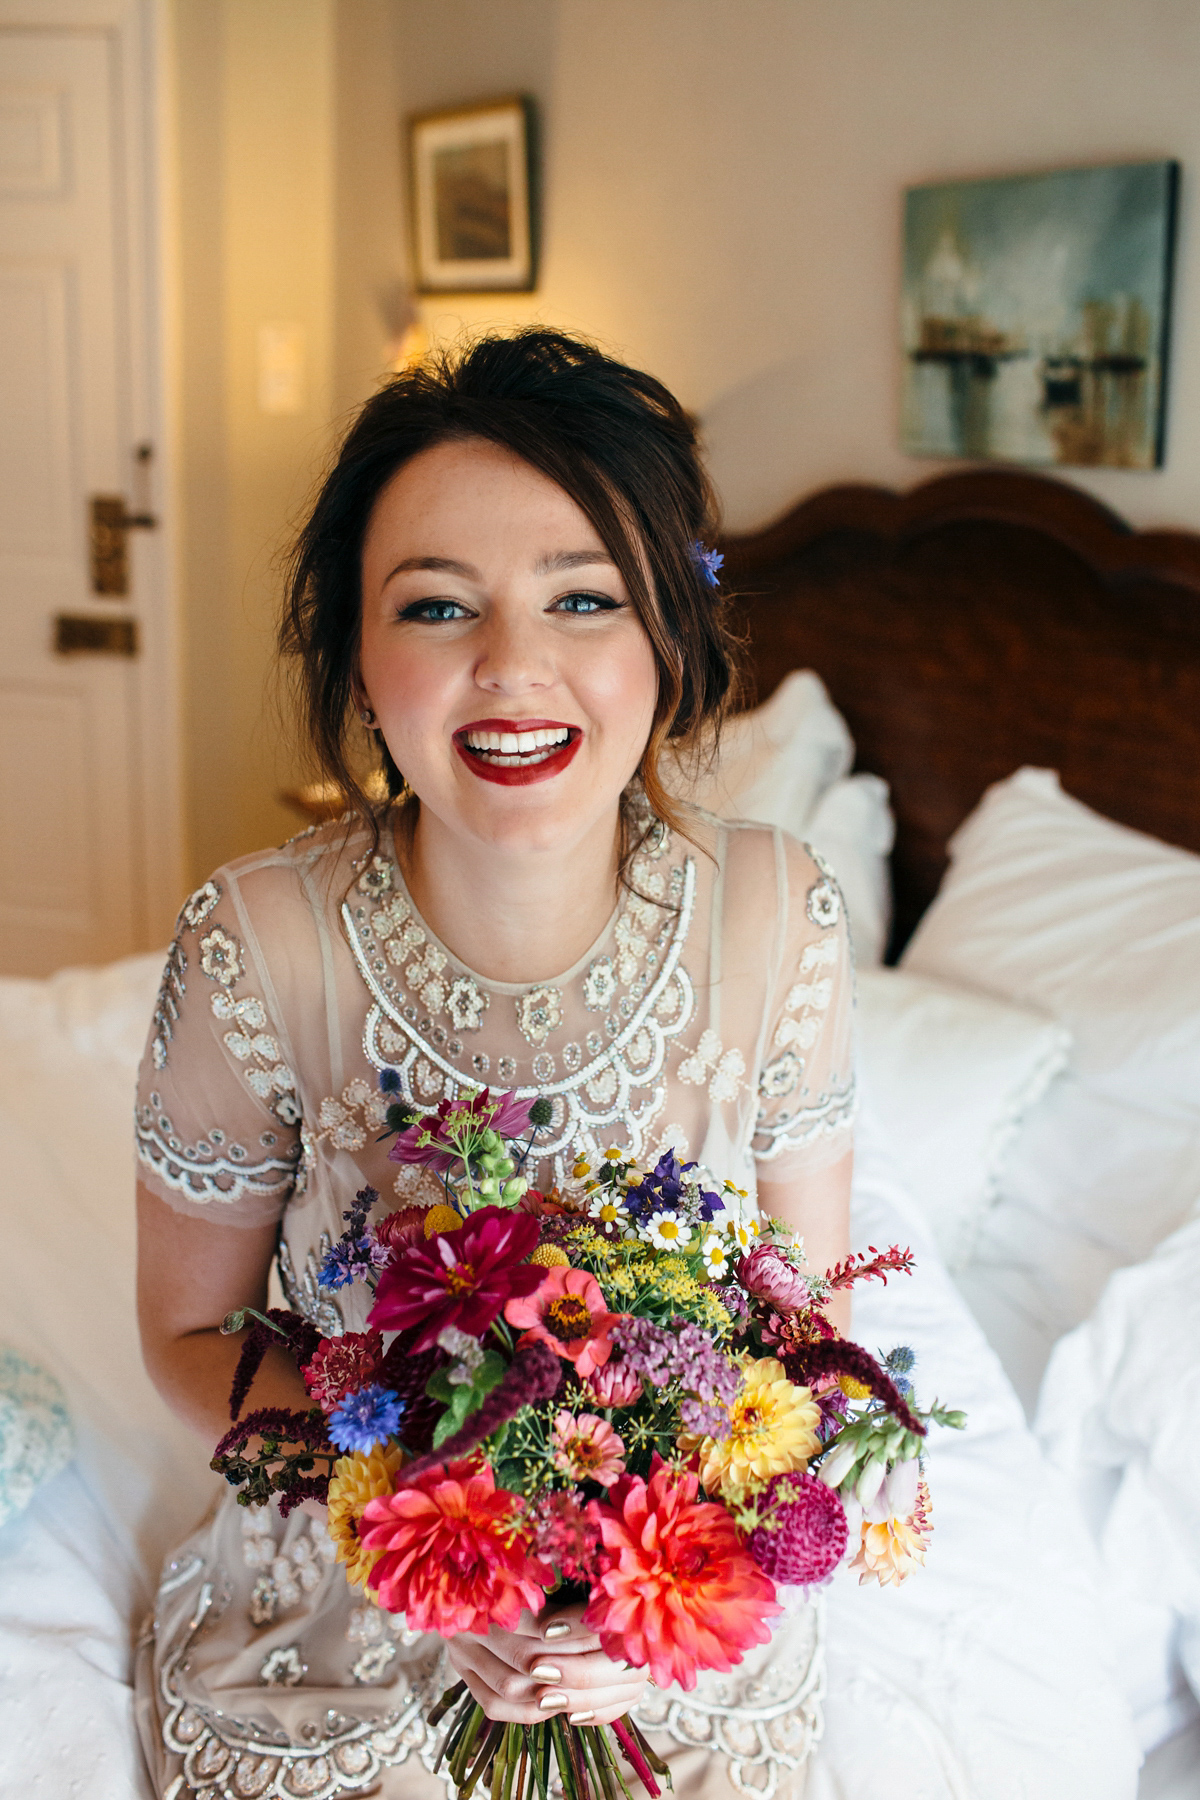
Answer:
[(753, 850), (321, 863)]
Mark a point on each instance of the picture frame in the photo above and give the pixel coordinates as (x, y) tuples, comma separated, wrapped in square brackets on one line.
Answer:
[(1036, 316), (471, 174)]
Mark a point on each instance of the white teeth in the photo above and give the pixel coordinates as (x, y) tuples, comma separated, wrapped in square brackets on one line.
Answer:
[(506, 748)]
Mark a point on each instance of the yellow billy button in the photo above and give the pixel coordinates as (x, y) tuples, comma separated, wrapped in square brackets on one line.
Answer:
[(441, 1218)]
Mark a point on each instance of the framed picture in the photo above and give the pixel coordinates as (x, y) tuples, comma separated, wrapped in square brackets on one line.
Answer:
[(1036, 316), (472, 198)]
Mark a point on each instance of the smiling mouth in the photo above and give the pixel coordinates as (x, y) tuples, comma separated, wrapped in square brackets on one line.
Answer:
[(517, 749), (516, 752)]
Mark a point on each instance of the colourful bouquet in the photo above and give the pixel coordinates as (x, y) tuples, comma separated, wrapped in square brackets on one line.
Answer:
[(625, 1394)]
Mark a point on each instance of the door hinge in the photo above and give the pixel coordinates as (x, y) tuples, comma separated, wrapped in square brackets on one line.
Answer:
[(76, 633)]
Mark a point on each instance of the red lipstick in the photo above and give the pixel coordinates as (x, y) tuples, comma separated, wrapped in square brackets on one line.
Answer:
[(500, 750)]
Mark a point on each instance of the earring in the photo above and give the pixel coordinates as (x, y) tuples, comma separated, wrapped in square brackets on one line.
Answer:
[(368, 717)]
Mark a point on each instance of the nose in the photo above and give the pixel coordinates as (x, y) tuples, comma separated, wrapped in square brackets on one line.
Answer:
[(514, 656)]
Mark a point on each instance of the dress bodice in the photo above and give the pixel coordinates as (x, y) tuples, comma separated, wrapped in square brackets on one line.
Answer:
[(713, 1014)]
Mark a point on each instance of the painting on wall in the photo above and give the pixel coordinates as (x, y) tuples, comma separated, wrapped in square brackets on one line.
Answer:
[(1036, 316), (472, 198)]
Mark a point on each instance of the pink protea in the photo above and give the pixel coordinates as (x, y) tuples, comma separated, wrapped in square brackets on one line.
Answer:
[(586, 1448), (343, 1365), (568, 1315), (768, 1275), (806, 1538), (454, 1553), (682, 1593), (614, 1383)]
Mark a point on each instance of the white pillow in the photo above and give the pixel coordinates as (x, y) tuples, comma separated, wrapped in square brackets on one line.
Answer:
[(69, 1050), (786, 763), (1050, 905), (948, 1074)]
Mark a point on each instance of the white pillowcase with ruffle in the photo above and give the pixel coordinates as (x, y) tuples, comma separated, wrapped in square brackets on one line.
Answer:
[(787, 763), (948, 1075), (1049, 905)]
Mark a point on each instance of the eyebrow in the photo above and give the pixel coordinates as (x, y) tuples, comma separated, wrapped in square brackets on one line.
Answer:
[(545, 565)]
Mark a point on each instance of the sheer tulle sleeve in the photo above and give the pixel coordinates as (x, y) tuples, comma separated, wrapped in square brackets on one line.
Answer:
[(218, 1115), (806, 1088)]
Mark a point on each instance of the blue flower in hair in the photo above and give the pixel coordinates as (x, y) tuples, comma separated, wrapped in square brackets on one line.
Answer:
[(707, 562)]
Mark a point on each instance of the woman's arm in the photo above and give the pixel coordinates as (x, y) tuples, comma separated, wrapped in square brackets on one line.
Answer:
[(190, 1274), (817, 1208)]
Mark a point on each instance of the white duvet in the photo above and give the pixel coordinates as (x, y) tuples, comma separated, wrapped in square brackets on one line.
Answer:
[(989, 1675)]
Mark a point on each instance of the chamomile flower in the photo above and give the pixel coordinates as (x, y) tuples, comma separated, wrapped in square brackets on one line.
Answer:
[(581, 1169), (613, 1156), (667, 1231), (715, 1257), (743, 1232)]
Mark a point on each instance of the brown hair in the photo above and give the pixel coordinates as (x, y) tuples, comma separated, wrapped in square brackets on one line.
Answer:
[(612, 438)]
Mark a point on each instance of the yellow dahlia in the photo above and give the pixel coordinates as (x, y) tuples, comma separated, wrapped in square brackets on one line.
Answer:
[(772, 1431), (358, 1478), (893, 1548)]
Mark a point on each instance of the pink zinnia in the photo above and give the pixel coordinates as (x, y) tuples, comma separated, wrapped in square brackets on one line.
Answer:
[(682, 1594), (342, 1365), (459, 1277), (586, 1448), (769, 1276), (568, 1314), (454, 1553)]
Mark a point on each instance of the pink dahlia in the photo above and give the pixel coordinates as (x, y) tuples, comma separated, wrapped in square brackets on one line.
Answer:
[(806, 1537), (768, 1275), (342, 1366), (454, 1552), (683, 1593), (568, 1314), (586, 1448), (456, 1127), (459, 1277), (566, 1535)]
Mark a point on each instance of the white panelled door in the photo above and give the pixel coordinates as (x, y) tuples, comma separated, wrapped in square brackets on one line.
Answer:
[(72, 859)]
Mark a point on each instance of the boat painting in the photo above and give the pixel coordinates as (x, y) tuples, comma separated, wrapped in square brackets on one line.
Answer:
[(1035, 316)]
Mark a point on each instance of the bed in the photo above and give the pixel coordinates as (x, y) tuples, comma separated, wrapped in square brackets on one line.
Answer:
[(950, 636)]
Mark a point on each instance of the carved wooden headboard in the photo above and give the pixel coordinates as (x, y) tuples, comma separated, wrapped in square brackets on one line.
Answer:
[(982, 621)]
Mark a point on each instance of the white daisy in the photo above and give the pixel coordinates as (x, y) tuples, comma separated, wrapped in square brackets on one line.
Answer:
[(743, 1232), (604, 1207), (667, 1231), (715, 1257)]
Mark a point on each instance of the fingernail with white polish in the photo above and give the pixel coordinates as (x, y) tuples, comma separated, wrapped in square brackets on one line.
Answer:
[(545, 1672), (580, 1718), (560, 1629), (551, 1702)]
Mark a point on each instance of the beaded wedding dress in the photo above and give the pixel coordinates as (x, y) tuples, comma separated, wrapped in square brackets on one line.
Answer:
[(713, 1014)]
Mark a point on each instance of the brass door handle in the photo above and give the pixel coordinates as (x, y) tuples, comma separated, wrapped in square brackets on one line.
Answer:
[(110, 527), (76, 633)]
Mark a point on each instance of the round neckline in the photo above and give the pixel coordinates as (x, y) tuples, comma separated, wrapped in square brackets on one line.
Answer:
[(514, 988)]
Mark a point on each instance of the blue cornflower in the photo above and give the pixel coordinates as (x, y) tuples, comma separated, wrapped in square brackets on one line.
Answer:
[(351, 1259), (389, 1081), (707, 561), (366, 1418)]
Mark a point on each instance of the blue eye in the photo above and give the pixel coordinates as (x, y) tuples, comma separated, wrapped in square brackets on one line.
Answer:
[(435, 610), (584, 604)]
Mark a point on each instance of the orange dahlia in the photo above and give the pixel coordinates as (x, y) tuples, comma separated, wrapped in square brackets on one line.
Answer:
[(892, 1548), (453, 1552), (357, 1480), (682, 1592)]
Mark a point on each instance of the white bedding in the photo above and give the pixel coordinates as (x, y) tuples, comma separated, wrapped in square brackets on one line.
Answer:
[(983, 1677)]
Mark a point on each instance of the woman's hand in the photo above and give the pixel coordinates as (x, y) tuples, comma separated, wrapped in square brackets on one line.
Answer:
[(549, 1664)]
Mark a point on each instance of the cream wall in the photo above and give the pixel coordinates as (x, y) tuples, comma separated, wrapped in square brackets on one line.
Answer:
[(723, 182), (272, 103)]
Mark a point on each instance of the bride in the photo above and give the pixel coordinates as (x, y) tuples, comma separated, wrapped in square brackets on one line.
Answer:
[(504, 580)]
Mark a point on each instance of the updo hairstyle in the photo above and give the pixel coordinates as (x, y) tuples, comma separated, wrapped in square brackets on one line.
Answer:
[(612, 438)]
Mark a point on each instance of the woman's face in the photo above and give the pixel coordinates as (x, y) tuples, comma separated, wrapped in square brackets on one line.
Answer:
[(508, 669)]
